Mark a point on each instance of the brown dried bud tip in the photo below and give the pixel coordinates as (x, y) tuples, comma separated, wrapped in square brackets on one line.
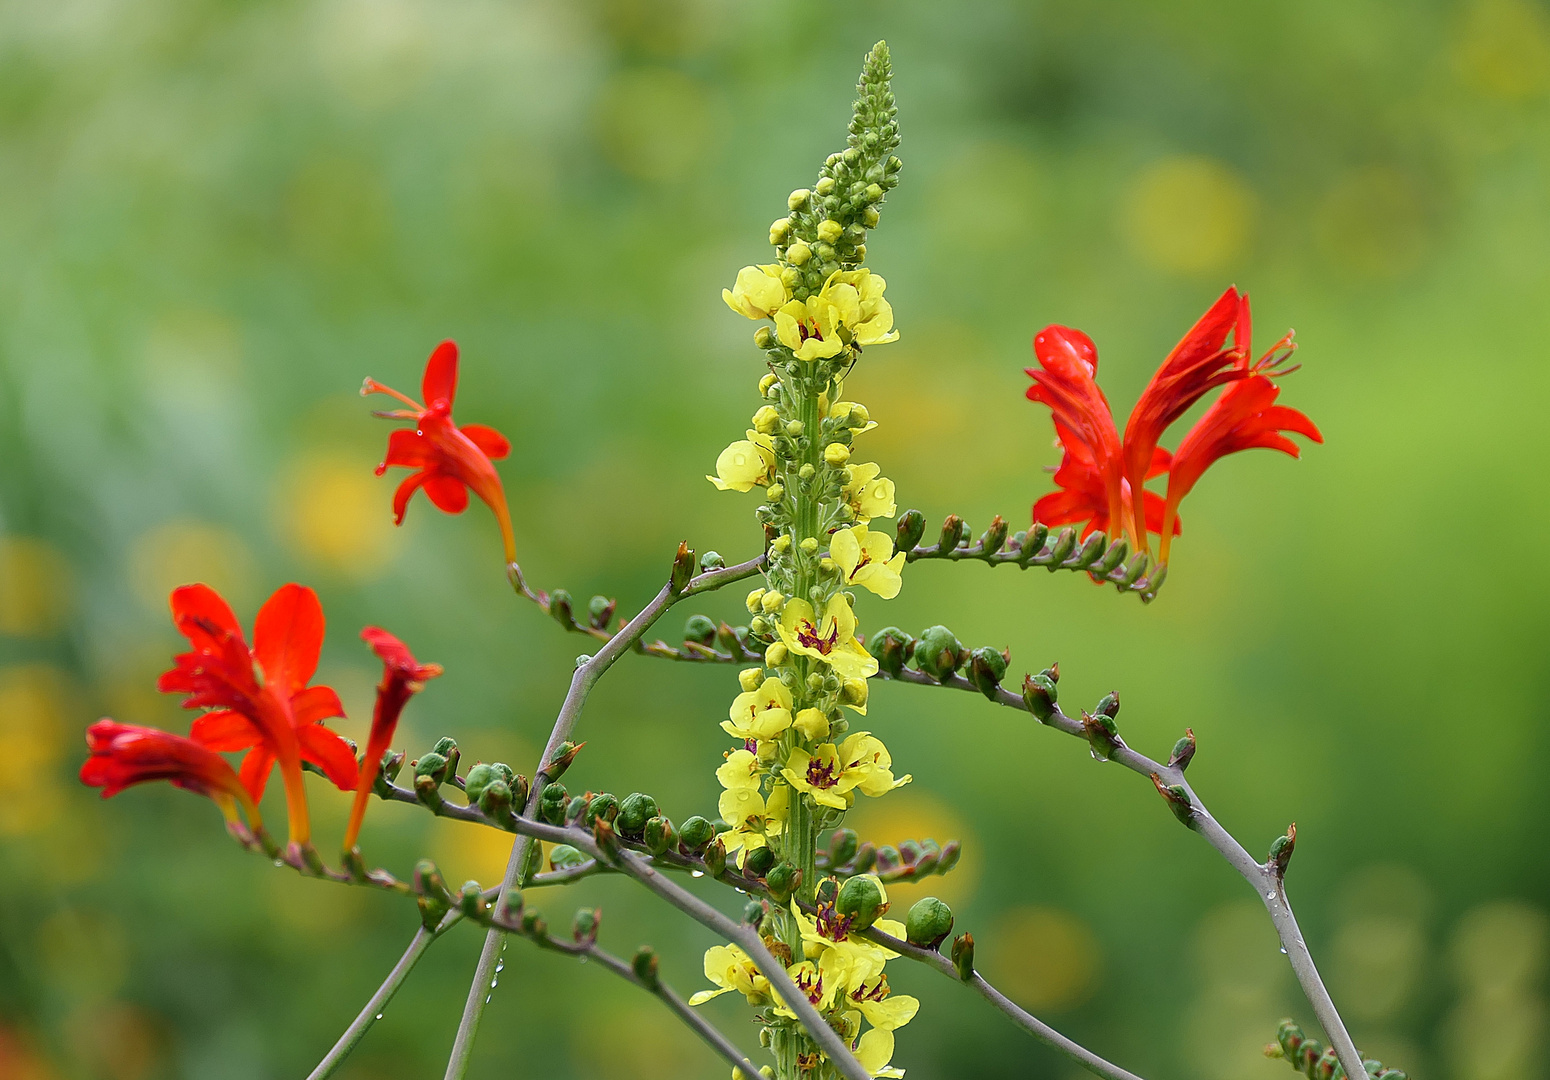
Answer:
[(683, 568), (1177, 798), (1102, 735), (1183, 751), (606, 839), (562, 759), (1281, 849)]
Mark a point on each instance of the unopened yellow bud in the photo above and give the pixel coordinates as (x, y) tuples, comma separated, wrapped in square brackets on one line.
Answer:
[(812, 724), (781, 545), (859, 416), (762, 337), (829, 231), (798, 198), (826, 564), (767, 751), (771, 601), (807, 472), (775, 655), (810, 545), (766, 420), (798, 254), (779, 230), (853, 692), (795, 428), (767, 382), (860, 253), (870, 217), (836, 454), (750, 679), (825, 185), (752, 601), (791, 277), (774, 493)]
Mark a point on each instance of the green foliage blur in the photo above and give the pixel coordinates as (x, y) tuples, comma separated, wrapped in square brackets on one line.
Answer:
[(216, 217)]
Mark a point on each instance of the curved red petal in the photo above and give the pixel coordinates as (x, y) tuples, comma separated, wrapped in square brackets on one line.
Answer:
[(448, 492), (287, 637), (313, 704), (440, 381), (1060, 347), (196, 606), (1161, 460), (329, 752), (224, 730), (255, 770), (492, 443), (409, 448), (404, 492)]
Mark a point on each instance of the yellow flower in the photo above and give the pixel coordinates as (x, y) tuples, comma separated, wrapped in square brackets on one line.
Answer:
[(730, 968), (829, 932), (858, 296), (855, 414), (758, 292), (742, 770), (881, 1008), (867, 559), (875, 1051), (760, 714), (869, 495), (832, 640), (811, 330), (819, 982), (751, 826), (830, 773), (812, 724), (745, 463)]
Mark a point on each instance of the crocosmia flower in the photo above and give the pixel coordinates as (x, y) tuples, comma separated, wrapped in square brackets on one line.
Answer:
[(448, 460), (402, 677), (123, 755), (259, 697), (1102, 478)]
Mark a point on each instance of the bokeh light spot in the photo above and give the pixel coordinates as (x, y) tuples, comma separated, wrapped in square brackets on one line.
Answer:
[(35, 587), (1372, 222), (182, 552), (333, 513), (1042, 957), (1503, 49), (653, 124), (1188, 215), (916, 814)]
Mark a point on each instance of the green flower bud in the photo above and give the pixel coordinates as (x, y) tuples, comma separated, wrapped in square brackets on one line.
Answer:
[(798, 254), (911, 526), (584, 926), (560, 608), (433, 765), (827, 892), (1109, 705), (1183, 751), (715, 858), (700, 628), (951, 851), (1040, 696), (861, 898), (870, 217), (963, 956), (892, 648), (952, 529), (872, 193), (929, 922), (695, 833), (1065, 544), (659, 835), (565, 857), (994, 538), (563, 756), (1281, 849), (518, 786), (1134, 569), (866, 858), (552, 803), (480, 777), (783, 879), (428, 792), (824, 186), (603, 806), (758, 862), (634, 812), (888, 859), (683, 568), (1177, 798), (842, 845), (471, 899), (534, 924), (599, 610), (576, 809), (1102, 735), (763, 338), (1092, 548), (754, 912), (392, 765), (1112, 558), (987, 667), (938, 652), (644, 964), (1033, 543), (495, 800)]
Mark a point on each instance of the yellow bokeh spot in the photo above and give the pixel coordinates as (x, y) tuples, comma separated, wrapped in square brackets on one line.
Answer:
[(1503, 49), (653, 123), (468, 852), (988, 199), (34, 587), (1373, 222), (1498, 1028), (333, 513), (182, 552), (1189, 215), (1042, 957), (916, 814), (35, 712)]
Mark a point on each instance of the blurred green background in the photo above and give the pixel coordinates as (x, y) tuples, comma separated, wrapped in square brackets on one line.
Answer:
[(216, 217)]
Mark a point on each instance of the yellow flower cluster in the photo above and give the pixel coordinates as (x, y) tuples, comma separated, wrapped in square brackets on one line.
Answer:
[(848, 311)]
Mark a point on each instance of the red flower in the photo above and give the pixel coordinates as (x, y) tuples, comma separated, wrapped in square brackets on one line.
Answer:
[(276, 718), (449, 459), (402, 677), (1102, 478), (123, 755), (1244, 417)]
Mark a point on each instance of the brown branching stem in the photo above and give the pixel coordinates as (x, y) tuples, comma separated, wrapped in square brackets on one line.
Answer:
[(586, 675)]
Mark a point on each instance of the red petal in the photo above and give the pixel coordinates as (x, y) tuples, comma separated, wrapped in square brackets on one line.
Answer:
[(447, 492), (440, 381), (287, 637), (491, 442), (404, 492), (196, 604), (313, 704), (1060, 347), (224, 730), (408, 447), (1161, 460), (329, 752), (255, 770)]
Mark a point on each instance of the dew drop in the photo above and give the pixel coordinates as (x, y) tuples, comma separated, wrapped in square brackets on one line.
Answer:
[(487, 999), (500, 967), (1270, 895), (379, 1016), (1283, 950), (279, 862), (583, 959), (696, 873)]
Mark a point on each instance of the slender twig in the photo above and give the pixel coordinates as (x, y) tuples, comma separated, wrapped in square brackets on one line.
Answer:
[(587, 673), (353, 1034), (1267, 883)]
